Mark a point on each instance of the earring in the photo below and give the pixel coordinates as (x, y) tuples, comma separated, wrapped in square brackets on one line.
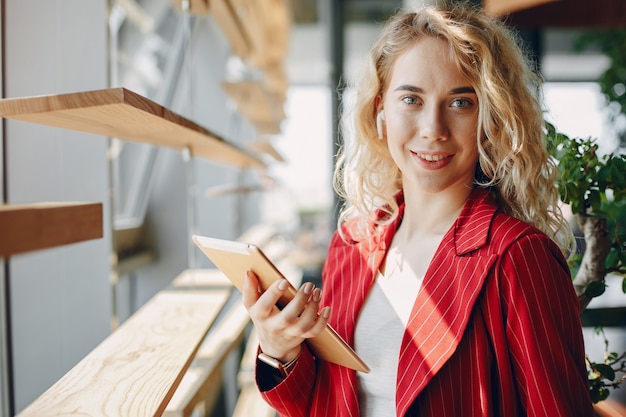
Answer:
[(380, 118)]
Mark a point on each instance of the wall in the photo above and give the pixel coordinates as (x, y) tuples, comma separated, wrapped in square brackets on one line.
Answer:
[(168, 216), (4, 375), (60, 298)]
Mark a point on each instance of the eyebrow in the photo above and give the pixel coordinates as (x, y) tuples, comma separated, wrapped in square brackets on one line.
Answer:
[(412, 88)]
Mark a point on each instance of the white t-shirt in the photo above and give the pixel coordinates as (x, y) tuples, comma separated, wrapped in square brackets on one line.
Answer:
[(378, 335)]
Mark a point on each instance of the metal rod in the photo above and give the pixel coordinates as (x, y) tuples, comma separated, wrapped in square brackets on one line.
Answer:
[(7, 401), (191, 204)]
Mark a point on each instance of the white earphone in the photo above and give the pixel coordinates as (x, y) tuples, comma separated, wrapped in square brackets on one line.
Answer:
[(380, 118)]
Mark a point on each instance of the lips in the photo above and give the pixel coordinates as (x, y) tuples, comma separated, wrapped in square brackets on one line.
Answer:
[(432, 161), (431, 157)]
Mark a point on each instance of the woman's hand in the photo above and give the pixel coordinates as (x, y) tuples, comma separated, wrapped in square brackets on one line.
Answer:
[(281, 332)]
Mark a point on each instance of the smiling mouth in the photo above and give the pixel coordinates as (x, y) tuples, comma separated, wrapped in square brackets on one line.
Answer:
[(431, 157)]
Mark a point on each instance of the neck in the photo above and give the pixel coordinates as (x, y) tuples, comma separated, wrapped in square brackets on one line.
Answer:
[(427, 214)]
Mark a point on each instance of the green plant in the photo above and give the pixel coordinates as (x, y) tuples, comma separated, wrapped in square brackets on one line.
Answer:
[(603, 375), (595, 188)]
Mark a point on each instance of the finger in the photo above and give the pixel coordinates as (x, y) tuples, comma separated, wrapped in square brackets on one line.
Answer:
[(320, 323), (309, 315), (295, 308), (266, 303), (250, 290)]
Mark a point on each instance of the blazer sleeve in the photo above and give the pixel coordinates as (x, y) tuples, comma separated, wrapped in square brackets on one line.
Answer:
[(292, 396), (543, 329)]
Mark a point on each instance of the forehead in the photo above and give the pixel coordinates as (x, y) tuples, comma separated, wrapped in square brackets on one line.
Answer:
[(427, 60)]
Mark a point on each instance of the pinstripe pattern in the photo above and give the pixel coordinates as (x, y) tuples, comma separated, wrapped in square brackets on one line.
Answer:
[(494, 330)]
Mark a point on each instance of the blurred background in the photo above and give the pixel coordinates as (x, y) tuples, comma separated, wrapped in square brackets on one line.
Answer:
[(266, 76)]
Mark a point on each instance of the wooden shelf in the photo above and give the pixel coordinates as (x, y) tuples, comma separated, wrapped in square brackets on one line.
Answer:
[(261, 107), (228, 20), (265, 146), (37, 226), (257, 30), (136, 370), (500, 8), (267, 24), (118, 112)]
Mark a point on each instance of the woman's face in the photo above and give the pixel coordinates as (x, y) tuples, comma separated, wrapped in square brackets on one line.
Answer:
[(431, 116)]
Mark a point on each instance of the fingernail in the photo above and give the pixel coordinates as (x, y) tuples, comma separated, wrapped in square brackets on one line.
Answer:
[(308, 288), (317, 295), (326, 312), (282, 285)]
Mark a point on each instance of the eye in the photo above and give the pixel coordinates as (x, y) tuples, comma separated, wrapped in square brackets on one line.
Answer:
[(461, 103), (410, 100)]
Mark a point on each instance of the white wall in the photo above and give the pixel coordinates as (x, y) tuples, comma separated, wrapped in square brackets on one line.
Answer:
[(61, 297)]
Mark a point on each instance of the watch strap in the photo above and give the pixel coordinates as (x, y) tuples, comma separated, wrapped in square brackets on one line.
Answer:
[(283, 368)]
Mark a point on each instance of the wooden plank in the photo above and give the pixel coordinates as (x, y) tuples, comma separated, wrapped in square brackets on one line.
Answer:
[(267, 24), (266, 147), (201, 278), (29, 227), (260, 106), (502, 7), (248, 361), (250, 402), (228, 20), (202, 383), (610, 408), (135, 371), (118, 112)]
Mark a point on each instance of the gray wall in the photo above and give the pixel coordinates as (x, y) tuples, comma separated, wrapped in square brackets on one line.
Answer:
[(61, 297), (167, 215)]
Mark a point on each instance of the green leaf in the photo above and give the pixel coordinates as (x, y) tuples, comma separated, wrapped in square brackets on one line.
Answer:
[(604, 177), (599, 394), (606, 371), (618, 176), (595, 289), (624, 285), (612, 258), (622, 255), (595, 201)]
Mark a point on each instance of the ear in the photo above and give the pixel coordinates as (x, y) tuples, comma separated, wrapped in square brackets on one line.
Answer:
[(380, 119)]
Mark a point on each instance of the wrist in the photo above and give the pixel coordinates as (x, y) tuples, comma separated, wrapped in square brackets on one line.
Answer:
[(280, 355), (283, 367)]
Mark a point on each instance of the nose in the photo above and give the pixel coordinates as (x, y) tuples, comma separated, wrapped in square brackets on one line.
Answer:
[(432, 123)]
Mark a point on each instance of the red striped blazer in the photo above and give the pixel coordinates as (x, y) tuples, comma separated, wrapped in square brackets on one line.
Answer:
[(494, 330)]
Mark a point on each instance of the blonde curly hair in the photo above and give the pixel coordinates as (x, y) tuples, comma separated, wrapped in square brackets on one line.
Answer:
[(513, 161)]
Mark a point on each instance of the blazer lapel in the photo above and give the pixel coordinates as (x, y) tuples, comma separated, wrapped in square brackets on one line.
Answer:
[(444, 303), (371, 254)]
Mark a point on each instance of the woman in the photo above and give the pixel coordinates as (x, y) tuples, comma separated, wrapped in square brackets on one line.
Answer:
[(447, 273)]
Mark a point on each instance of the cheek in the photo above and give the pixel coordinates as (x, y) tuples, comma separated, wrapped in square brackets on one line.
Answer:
[(472, 148), (399, 128), (395, 141)]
